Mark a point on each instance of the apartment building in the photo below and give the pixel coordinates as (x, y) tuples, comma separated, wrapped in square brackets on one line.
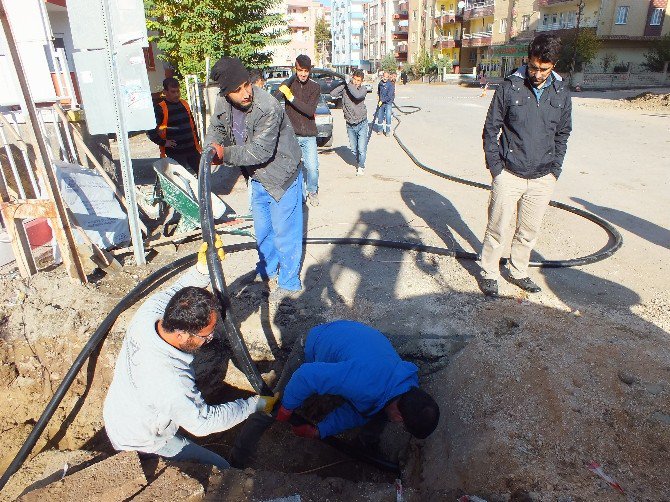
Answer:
[(625, 28), (385, 30), (514, 26), (447, 31), (347, 34), (301, 18)]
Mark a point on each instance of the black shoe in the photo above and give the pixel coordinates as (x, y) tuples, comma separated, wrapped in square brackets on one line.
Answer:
[(526, 284), (489, 287)]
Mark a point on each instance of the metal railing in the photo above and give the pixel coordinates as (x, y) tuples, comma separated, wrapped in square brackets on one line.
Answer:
[(478, 34)]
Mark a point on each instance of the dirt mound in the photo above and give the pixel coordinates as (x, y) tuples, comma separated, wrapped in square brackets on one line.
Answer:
[(649, 101), (531, 390)]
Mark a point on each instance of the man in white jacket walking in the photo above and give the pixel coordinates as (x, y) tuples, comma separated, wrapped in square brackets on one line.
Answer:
[(153, 391)]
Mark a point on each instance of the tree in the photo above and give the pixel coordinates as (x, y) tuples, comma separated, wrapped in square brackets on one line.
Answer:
[(584, 46), (321, 37), (659, 53), (424, 64), (190, 30), (388, 62)]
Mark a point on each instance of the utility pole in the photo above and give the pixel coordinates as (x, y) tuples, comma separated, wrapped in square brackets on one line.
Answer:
[(580, 9)]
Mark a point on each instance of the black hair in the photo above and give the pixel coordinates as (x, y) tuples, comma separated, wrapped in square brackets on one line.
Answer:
[(420, 412), (546, 48), (255, 75), (170, 82), (303, 61), (358, 73), (189, 310)]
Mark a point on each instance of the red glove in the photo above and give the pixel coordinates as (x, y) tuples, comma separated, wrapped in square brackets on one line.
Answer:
[(306, 431), (283, 414), (219, 154)]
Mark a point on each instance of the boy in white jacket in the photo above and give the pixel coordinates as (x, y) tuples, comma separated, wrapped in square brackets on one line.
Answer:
[(153, 391)]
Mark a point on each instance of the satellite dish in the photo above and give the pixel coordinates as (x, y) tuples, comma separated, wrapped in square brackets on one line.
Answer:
[(461, 4)]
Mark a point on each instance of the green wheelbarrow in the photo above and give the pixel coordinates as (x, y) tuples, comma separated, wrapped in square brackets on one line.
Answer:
[(175, 190)]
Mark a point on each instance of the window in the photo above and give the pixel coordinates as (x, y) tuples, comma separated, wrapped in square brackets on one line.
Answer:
[(656, 17), (503, 26), (545, 20), (414, 15), (622, 14), (525, 23)]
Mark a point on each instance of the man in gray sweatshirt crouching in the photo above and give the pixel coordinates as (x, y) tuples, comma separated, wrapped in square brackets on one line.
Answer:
[(153, 391), (356, 116)]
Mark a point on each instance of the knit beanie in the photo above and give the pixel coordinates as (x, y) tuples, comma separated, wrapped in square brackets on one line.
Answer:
[(229, 73)]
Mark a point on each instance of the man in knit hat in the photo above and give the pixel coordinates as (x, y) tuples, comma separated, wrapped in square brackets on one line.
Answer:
[(249, 130)]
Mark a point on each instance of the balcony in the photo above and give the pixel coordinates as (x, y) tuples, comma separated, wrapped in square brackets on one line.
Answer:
[(403, 14), (400, 34), (447, 42), (448, 16), (400, 56), (547, 3), (479, 39), (566, 25), (297, 21), (478, 9)]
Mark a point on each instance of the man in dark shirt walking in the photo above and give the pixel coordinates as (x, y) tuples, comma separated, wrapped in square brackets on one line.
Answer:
[(302, 98), (175, 130)]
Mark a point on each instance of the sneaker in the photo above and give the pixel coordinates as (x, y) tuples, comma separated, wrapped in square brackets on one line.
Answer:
[(526, 284), (280, 294), (360, 171), (489, 287), (387, 133), (313, 199)]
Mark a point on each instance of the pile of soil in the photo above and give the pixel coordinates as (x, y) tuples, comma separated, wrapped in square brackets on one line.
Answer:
[(531, 390), (649, 101)]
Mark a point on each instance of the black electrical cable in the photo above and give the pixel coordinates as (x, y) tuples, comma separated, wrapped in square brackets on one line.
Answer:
[(236, 340), (239, 348), (609, 249)]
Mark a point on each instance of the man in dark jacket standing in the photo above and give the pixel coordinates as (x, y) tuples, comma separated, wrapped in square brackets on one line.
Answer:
[(533, 108), (249, 130), (356, 116), (386, 91), (302, 98), (175, 131)]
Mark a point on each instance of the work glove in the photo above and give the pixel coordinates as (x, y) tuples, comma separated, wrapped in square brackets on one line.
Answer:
[(218, 160), (283, 414), (266, 403), (379, 104), (201, 266), (306, 431), (286, 92)]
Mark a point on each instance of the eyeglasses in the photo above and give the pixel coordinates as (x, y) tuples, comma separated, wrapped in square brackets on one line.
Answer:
[(536, 69), (206, 338)]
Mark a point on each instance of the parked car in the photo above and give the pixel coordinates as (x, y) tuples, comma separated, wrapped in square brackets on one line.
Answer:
[(322, 117), (328, 80)]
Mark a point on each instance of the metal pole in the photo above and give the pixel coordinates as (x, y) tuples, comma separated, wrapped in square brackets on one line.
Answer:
[(122, 141)]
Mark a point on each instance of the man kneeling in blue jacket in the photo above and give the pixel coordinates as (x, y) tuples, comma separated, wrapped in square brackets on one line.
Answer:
[(358, 363)]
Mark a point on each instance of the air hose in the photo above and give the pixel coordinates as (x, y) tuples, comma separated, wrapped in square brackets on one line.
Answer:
[(238, 346)]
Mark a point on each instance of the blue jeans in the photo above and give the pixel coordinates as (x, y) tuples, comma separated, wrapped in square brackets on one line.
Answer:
[(278, 228), (358, 141), (383, 118), (310, 162), (180, 449)]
